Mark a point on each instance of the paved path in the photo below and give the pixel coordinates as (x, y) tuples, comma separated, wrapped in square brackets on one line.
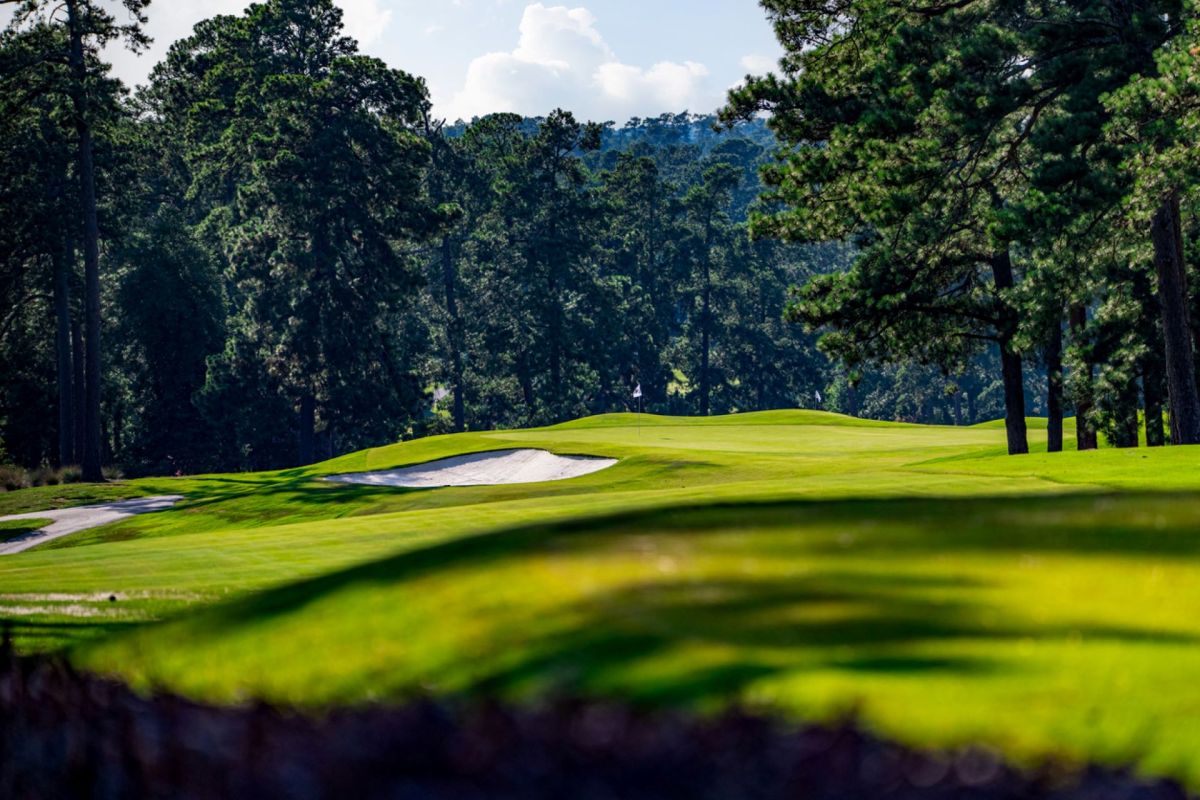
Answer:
[(80, 518)]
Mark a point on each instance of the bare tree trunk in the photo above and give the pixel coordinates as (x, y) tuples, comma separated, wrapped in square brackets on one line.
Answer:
[(1184, 400), (705, 318), (1010, 363), (1014, 401), (77, 392), (1054, 387), (1125, 429), (62, 351), (91, 248), (450, 282), (555, 390), (1085, 434), (118, 422)]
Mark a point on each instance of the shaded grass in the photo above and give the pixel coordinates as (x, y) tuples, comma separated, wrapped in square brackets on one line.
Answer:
[(15, 528), (48, 498)]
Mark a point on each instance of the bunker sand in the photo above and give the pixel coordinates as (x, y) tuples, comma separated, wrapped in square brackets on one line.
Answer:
[(483, 469)]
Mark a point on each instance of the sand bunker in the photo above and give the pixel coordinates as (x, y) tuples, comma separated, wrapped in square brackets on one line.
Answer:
[(483, 469)]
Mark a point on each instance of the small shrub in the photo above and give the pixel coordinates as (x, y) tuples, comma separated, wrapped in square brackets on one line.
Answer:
[(71, 474), (13, 477), (45, 476), (113, 473)]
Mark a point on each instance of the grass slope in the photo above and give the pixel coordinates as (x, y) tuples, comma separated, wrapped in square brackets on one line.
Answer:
[(15, 528), (47, 498), (795, 560)]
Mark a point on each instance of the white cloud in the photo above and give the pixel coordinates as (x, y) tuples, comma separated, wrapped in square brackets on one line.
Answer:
[(365, 20), (666, 86), (168, 23), (758, 65), (562, 60)]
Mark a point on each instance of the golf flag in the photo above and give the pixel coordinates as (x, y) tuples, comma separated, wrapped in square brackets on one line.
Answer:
[(637, 392), (818, 394)]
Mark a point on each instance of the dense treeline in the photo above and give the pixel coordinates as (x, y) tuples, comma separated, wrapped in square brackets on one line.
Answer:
[(1009, 171), (299, 260), (274, 252)]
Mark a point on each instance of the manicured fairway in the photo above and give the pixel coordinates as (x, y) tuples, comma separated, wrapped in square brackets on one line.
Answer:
[(1048, 604)]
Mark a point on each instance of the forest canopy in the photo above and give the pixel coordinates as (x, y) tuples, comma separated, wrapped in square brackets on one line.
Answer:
[(275, 251)]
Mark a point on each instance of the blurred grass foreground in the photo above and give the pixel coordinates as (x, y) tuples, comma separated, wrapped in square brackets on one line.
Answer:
[(67, 734)]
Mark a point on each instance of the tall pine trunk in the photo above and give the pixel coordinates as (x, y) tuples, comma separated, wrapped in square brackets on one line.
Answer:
[(1125, 417), (1010, 361), (91, 248), (555, 331), (1054, 388), (705, 318), (1085, 434), (450, 282), (1014, 401), (1184, 401), (62, 352), (77, 392)]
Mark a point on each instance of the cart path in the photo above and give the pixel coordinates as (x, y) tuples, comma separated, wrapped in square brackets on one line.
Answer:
[(72, 520)]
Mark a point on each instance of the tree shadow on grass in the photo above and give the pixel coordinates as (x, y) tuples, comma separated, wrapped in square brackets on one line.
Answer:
[(1117, 525), (35, 635), (759, 628), (841, 617), (302, 495), (235, 501)]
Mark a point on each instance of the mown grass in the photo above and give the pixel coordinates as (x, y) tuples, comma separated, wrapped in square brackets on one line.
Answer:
[(794, 560), (15, 528), (47, 498)]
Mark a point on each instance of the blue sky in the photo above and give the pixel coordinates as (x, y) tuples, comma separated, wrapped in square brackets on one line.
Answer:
[(602, 59)]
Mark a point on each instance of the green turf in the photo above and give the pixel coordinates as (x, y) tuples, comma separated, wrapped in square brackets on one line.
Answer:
[(793, 560), (46, 498), (15, 528)]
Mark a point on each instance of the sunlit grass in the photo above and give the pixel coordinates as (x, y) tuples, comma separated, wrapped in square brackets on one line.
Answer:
[(794, 560)]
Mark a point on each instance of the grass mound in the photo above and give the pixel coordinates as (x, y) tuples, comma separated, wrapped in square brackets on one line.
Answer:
[(1059, 625), (794, 561)]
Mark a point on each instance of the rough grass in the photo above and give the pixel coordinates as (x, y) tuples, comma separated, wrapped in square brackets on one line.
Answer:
[(792, 560)]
